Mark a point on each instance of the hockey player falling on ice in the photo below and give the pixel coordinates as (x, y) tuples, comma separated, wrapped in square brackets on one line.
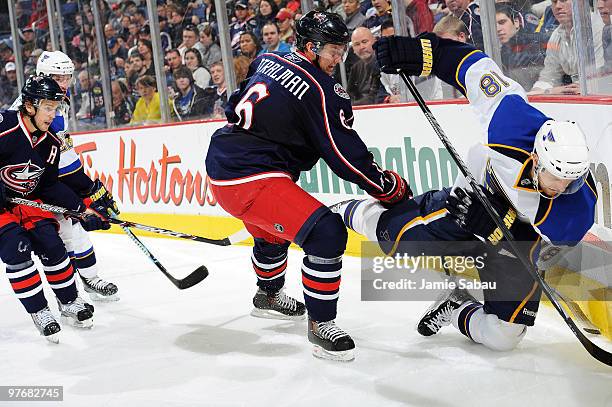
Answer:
[(533, 169), (29, 156), (286, 115), (58, 66)]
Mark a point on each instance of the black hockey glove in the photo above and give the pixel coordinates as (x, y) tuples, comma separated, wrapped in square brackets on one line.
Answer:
[(471, 215), (91, 222), (414, 56), (396, 190), (102, 201)]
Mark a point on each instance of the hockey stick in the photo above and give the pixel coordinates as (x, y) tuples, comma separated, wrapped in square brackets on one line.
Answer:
[(598, 353), (192, 279), (226, 241)]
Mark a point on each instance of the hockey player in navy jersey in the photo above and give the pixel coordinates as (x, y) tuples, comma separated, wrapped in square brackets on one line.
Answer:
[(286, 115), (59, 67), (29, 157), (533, 169)]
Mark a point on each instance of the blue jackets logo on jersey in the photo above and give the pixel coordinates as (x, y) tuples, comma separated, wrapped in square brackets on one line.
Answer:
[(22, 177), (339, 90)]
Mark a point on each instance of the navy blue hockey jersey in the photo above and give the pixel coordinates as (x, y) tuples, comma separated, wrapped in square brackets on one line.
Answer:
[(284, 117), (29, 163)]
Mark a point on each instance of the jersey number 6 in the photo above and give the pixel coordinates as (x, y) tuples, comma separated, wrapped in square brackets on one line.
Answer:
[(244, 109)]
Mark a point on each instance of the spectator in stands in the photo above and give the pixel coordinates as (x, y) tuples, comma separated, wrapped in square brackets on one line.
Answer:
[(249, 45), (244, 22), (134, 34), (469, 13), (6, 53), (117, 56), (175, 23), (190, 100), (271, 37), (8, 86), (212, 50), (364, 78), (122, 103), (191, 35), (28, 37), (266, 14), (147, 108), (140, 17), (109, 31), (522, 52), (145, 33), (605, 9), (353, 16), (220, 98), (285, 23), (210, 13), (145, 49), (335, 6), (164, 34), (421, 16), (193, 61), (124, 31), (560, 73), (382, 12), (241, 67), (134, 69), (91, 112), (173, 62)]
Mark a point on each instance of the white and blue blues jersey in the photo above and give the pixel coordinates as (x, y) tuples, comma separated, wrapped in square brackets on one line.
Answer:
[(504, 163)]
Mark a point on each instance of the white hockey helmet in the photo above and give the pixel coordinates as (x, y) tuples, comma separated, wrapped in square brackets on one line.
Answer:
[(54, 63), (562, 151)]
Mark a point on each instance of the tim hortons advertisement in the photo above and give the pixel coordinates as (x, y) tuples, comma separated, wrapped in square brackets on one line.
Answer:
[(161, 169)]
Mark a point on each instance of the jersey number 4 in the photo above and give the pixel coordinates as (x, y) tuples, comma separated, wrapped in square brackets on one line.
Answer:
[(244, 108)]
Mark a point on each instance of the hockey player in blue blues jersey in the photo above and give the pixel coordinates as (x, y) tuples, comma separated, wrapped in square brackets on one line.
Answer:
[(533, 169), (286, 115), (29, 157), (59, 67)]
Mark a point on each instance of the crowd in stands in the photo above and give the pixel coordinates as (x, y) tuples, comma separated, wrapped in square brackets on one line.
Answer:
[(537, 40)]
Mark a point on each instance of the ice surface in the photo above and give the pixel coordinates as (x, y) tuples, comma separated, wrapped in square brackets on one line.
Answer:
[(159, 346)]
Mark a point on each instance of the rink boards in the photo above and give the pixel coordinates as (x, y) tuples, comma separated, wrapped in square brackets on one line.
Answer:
[(157, 173)]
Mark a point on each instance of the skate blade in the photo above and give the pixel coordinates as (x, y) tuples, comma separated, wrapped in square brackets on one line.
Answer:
[(103, 298), (271, 314), (53, 338), (340, 356), (86, 324)]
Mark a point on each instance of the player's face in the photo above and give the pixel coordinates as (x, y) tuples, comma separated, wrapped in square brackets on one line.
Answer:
[(271, 36), (63, 81), (506, 28), (45, 113), (551, 185), (330, 56)]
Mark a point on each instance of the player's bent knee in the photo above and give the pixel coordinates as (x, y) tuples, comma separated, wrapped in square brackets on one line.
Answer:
[(500, 335), (327, 238)]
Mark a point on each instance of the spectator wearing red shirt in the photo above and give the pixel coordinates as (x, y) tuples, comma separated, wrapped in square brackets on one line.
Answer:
[(422, 18)]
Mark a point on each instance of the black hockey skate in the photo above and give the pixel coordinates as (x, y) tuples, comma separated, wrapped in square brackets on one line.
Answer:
[(440, 313), (330, 342), (77, 313), (46, 324), (277, 305), (100, 290)]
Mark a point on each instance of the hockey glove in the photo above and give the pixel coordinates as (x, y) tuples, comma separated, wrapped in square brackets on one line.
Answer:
[(471, 215), (413, 56), (90, 220), (102, 201), (396, 190)]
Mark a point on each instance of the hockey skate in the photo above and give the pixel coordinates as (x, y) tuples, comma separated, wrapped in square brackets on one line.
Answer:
[(77, 313), (46, 324), (330, 342), (277, 305), (100, 290), (440, 313)]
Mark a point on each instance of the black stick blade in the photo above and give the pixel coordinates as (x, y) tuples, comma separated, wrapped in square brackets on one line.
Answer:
[(192, 279)]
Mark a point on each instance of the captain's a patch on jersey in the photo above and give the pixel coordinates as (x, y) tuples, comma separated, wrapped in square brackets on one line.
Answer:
[(341, 92)]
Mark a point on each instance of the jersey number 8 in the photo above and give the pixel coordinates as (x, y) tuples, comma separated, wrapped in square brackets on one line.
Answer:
[(491, 84)]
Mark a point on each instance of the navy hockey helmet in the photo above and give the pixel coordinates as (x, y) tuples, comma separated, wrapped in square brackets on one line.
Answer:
[(41, 87), (321, 27)]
